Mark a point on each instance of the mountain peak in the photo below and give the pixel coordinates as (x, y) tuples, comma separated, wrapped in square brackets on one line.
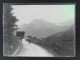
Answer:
[(38, 21), (41, 22)]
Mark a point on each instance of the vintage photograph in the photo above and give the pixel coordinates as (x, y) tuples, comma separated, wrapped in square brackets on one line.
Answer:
[(39, 30)]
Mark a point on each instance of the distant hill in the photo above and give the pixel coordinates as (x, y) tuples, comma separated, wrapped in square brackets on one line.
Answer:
[(64, 35), (41, 28), (62, 42), (67, 23)]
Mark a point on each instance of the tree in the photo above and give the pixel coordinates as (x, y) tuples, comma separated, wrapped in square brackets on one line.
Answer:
[(8, 24), (35, 38), (30, 37)]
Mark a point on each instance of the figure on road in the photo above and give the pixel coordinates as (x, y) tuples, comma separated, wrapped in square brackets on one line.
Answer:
[(28, 40)]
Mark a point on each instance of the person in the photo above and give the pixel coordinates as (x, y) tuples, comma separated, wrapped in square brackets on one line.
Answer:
[(22, 38), (27, 39)]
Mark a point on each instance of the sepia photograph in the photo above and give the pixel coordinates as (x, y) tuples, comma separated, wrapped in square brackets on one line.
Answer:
[(39, 30)]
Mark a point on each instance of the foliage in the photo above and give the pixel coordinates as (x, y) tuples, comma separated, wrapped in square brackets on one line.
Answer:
[(30, 37), (9, 25)]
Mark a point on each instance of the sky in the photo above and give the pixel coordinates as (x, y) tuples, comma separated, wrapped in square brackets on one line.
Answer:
[(51, 13)]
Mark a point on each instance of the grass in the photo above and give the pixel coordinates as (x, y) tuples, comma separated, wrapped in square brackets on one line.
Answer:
[(10, 48), (58, 51)]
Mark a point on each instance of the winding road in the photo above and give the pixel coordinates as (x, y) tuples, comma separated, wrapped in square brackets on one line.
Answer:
[(32, 50)]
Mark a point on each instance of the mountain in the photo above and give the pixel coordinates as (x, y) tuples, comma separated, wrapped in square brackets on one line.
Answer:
[(65, 37), (67, 23), (62, 42), (40, 28)]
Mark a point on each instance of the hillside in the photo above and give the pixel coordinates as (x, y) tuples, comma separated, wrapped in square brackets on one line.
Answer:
[(67, 23), (41, 28), (63, 42)]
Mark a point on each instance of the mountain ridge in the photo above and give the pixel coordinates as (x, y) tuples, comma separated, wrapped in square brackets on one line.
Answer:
[(41, 28)]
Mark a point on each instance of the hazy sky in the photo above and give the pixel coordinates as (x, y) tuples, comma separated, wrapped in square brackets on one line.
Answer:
[(51, 13)]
